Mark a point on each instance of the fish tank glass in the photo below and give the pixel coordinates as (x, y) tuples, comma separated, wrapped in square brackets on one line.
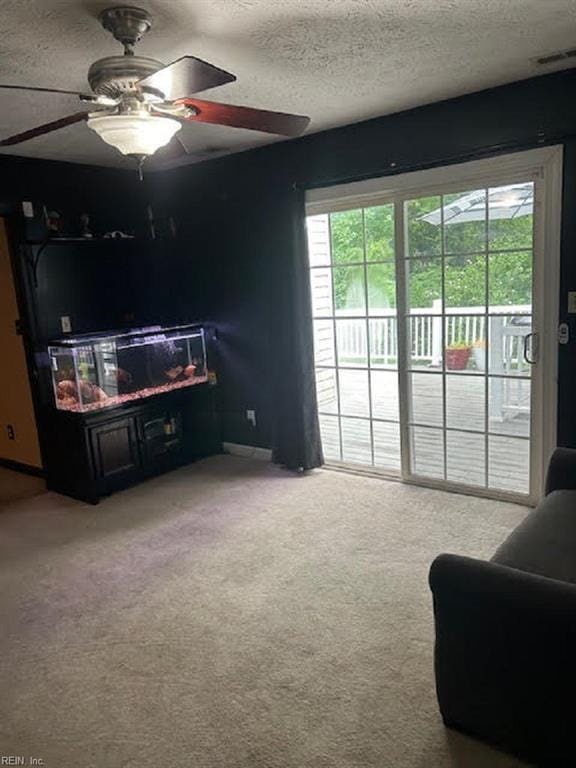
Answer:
[(90, 372)]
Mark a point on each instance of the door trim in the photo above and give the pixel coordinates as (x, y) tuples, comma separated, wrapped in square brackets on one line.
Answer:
[(544, 165), (546, 282)]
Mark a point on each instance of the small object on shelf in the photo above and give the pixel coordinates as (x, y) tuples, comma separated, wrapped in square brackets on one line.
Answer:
[(34, 220), (53, 223), (85, 226), (116, 234)]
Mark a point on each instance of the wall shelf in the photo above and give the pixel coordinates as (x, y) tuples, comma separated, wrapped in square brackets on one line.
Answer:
[(77, 240)]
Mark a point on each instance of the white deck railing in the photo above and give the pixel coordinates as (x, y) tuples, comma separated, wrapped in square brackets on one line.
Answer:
[(425, 329), (426, 337)]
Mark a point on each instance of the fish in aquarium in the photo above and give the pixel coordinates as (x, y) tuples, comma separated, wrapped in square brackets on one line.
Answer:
[(123, 369), (68, 395)]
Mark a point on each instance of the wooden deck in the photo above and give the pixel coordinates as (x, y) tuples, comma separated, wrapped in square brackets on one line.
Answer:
[(499, 462)]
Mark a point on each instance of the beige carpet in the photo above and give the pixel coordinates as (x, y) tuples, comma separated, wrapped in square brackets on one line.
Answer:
[(232, 615), (17, 485)]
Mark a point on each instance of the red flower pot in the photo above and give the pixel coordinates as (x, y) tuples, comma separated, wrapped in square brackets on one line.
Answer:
[(457, 359)]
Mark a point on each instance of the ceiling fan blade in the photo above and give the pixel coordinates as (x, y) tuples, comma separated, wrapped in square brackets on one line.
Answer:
[(43, 90), (62, 122), (185, 76), (246, 117), (98, 101)]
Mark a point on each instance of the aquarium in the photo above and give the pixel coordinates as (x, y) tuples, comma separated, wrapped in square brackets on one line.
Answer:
[(97, 371)]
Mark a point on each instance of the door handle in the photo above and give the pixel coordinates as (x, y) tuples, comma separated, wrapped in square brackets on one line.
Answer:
[(531, 343)]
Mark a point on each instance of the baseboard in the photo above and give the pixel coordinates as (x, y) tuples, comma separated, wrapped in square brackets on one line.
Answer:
[(248, 451), (17, 466)]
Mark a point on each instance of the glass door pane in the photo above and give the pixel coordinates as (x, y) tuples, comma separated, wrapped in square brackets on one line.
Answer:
[(467, 265), (444, 366), (353, 281)]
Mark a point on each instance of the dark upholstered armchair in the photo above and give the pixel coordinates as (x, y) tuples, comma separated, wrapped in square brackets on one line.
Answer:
[(505, 655)]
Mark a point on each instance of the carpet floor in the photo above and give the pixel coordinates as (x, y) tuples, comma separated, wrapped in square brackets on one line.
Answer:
[(16, 485), (232, 615)]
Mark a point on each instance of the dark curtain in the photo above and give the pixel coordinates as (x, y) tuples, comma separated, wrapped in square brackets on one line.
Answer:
[(296, 437)]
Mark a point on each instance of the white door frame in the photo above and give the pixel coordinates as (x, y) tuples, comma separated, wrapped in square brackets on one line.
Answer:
[(544, 166)]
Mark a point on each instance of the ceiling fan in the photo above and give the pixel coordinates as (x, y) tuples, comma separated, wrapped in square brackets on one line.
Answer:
[(138, 105)]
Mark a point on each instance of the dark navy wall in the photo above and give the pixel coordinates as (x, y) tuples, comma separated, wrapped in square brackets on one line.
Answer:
[(109, 195), (230, 214), (567, 353), (100, 285), (231, 203), (68, 281), (103, 285)]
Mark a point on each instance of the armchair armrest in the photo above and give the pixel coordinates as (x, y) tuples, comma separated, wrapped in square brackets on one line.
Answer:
[(561, 470), (505, 656)]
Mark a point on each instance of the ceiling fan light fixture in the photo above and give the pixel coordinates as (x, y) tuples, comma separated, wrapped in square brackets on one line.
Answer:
[(142, 103), (133, 133)]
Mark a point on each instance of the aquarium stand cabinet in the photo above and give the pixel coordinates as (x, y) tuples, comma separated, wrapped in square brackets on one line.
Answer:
[(90, 455)]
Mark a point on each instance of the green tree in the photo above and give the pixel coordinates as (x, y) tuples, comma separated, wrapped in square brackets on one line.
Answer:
[(369, 234)]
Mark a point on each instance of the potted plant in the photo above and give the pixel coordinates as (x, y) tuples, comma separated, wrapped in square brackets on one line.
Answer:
[(457, 355), (479, 354)]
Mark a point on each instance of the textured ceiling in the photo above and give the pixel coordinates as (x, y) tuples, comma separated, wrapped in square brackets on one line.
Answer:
[(339, 61)]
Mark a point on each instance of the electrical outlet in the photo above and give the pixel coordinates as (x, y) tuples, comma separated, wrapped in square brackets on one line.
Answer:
[(66, 324), (251, 417), (11, 433)]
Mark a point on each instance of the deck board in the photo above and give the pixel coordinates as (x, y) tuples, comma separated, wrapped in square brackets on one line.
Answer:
[(377, 444)]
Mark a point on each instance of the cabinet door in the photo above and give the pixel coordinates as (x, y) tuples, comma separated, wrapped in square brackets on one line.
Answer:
[(115, 449)]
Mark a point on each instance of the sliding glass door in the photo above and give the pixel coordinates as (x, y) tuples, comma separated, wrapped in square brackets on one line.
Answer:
[(353, 279), (468, 265), (427, 329)]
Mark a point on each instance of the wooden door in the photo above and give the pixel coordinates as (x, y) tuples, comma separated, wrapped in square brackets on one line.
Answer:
[(18, 433)]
